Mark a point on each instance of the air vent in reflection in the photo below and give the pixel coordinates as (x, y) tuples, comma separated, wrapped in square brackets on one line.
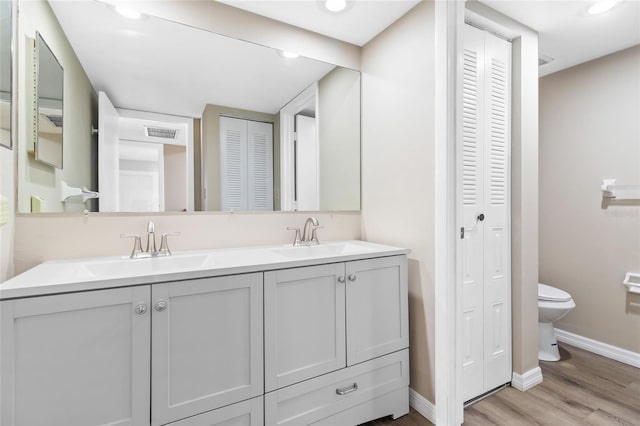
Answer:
[(160, 132), (56, 120), (544, 59)]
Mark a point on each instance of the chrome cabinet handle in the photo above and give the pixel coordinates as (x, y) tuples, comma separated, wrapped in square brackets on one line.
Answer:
[(141, 309), (341, 280), (348, 389), (161, 305), (352, 277)]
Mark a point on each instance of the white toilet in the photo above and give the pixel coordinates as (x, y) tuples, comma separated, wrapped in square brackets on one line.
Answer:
[(553, 304)]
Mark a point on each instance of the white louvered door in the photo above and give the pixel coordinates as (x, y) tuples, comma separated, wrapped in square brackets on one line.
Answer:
[(260, 169), (246, 165), (485, 230)]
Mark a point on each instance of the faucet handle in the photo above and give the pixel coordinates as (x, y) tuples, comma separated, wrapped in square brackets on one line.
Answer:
[(164, 244), (296, 241), (137, 244)]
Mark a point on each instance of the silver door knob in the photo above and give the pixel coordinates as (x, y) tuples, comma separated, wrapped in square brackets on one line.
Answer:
[(352, 277), (341, 280), (161, 305), (141, 309)]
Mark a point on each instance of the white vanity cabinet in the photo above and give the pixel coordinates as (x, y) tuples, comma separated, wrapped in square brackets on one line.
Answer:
[(104, 357), (347, 319), (76, 359), (206, 345), (256, 336)]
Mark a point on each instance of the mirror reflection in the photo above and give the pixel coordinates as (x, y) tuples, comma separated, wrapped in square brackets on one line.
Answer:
[(48, 108), (191, 120), (5, 73)]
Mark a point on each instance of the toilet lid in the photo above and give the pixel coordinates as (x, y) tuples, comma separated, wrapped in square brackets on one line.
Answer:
[(546, 292)]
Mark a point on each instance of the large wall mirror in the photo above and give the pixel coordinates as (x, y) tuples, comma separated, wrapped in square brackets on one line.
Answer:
[(191, 120), (6, 29)]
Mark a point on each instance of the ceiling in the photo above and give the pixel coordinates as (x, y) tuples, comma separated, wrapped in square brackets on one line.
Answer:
[(567, 33), (156, 65), (118, 54), (361, 21)]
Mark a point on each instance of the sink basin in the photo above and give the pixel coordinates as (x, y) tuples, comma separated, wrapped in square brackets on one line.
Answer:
[(147, 266), (324, 250)]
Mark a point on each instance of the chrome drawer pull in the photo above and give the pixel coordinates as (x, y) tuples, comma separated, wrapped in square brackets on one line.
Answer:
[(347, 390)]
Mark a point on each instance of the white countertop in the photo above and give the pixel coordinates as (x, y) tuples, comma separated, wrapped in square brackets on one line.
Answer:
[(72, 275)]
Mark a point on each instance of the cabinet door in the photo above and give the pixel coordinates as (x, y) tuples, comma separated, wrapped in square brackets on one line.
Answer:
[(304, 323), (76, 359), (206, 345), (377, 308)]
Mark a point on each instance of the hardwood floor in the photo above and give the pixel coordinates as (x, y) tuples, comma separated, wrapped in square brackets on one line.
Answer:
[(580, 389)]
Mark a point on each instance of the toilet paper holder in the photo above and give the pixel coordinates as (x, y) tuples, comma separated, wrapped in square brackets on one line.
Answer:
[(632, 282)]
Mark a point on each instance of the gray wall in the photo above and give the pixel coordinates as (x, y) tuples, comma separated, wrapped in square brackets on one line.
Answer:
[(590, 130)]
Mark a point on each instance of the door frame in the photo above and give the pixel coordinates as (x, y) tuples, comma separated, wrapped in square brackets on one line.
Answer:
[(287, 137), (449, 23)]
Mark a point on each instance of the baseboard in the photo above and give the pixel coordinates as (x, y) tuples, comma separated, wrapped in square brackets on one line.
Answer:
[(600, 348), (422, 405), (526, 381)]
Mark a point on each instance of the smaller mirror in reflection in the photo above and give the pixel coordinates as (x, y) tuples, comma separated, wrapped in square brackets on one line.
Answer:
[(5, 73), (49, 89)]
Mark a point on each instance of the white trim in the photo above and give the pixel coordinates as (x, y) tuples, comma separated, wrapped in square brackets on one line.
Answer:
[(287, 126), (422, 405), (527, 380), (449, 18), (609, 351)]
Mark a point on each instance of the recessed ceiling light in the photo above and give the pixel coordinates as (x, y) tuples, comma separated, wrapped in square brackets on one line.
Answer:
[(288, 55), (335, 5), (128, 12), (602, 6)]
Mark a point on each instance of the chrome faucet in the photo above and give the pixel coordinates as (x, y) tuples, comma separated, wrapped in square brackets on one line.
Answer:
[(150, 250), (151, 237), (309, 234)]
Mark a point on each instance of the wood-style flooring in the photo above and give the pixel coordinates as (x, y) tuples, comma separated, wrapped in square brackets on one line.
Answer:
[(580, 389)]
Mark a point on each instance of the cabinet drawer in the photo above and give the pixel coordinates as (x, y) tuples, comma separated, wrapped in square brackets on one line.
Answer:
[(245, 413), (323, 396)]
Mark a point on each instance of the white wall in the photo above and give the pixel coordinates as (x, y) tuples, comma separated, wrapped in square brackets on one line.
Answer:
[(590, 130), (398, 88)]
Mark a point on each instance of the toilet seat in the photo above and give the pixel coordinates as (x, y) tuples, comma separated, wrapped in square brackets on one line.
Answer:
[(552, 294)]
